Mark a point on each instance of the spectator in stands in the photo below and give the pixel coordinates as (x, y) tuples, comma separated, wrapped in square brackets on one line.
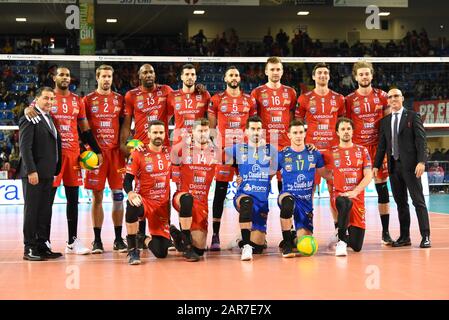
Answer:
[(200, 42), (10, 172), (436, 173), (282, 41), (268, 43), (7, 48)]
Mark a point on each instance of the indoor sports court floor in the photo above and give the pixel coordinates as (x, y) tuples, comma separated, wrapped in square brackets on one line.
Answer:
[(375, 273)]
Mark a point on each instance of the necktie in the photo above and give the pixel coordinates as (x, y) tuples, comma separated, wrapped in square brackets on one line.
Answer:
[(395, 137), (50, 122)]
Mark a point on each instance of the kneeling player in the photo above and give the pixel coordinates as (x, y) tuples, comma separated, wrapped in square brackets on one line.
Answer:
[(352, 173), (297, 165), (151, 198), (197, 170), (255, 166)]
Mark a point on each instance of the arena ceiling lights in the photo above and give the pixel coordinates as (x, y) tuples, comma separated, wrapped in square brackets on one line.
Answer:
[(21, 19), (303, 13), (384, 14), (199, 12), (111, 20)]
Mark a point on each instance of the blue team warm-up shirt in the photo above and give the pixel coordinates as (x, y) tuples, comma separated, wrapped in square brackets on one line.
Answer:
[(298, 173), (255, 167)]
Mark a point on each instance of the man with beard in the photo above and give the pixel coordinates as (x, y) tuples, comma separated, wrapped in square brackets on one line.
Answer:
[(228, 112), (144, 104), (104, 111), (68, 113), (366, 106), (351, 165), (196, 162), (151, 197), (187, 104)]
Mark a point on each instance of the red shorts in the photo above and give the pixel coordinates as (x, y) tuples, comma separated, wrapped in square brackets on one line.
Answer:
[(383, 170), (200, 212), (113, 168), (157, 214), (70, 174), (224, 172), (357, 213)]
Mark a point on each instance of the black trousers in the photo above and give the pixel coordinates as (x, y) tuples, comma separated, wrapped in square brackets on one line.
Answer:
[(403, 179), (37, 212)]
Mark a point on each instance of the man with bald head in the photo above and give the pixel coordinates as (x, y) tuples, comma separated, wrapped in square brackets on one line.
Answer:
[(403, 138), (146, 103)]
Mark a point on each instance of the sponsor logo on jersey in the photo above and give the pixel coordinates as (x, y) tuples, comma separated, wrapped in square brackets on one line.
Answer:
[(312, 110), (223, 108), (288, 159), (357, 110), (264, 95), (159, 93), (198, 98), (95, 103), (94, 109), (149, 168), (139, 98), (376, 100), (356, 104), (312, 165), (285, 95), (74, 103), (310, 157), (148, 159), (139, 105), (337, 163), (300, 178), (265, 103), (177, 106), (288, 167), (255, 168), (247, 187), (54, 109)]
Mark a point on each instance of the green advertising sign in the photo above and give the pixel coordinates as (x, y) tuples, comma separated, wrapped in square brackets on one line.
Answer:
[(87, 27)]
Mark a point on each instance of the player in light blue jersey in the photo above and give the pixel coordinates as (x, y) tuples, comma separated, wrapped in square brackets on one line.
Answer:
[(298, 166), (256, 162)]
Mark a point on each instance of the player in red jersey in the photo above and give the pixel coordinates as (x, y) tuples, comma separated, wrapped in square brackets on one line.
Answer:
[(104, 111), (228, 112), (366, 106), (151, 197), (276, 106), (196, 163), (146, 103), (68, 113), (352, 170), (187, 104), (320, 109)]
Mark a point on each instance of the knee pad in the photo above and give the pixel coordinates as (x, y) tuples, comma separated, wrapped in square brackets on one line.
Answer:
[(246, 209), (287, 207), (382, 192), (159, 246), (133, 213), (117, 200), (199, 252), (343, 204), (186, 201)]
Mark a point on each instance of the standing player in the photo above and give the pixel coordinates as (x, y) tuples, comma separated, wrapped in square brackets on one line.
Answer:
[(298, 166), (256, 162), (320, 108), (366, 106), (276, 106), (229, 110), (186, 104), (151, 197), (197, 167), (68, 113), (104, 111), (144, 104), (351, 165)]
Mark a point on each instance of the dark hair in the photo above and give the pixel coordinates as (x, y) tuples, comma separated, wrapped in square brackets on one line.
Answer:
[(155, 123), (320, 65), (343, 119), (230, 68), (253, 119), (296, 123), (200, 122), (42, 89), (187, 66)]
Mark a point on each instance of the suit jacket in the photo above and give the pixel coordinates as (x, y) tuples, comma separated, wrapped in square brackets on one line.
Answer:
[(40, 149), (411, 139)]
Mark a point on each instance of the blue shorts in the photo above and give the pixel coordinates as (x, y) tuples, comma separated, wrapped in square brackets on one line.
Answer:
[(303, 219), (260, 212)]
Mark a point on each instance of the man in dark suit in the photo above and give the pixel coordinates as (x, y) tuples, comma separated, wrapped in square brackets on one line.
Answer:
[(40, 148), (403, 139)]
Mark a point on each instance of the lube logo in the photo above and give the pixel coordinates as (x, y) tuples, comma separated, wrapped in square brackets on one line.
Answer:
[(73, 19)]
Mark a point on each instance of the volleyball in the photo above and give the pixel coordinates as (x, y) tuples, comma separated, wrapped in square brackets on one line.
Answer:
[(307, 246), (134, 143), (88, 160)]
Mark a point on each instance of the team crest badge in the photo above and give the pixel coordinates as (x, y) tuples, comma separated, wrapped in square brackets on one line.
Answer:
[(337, 163), (149, 168), (94, 109), (288, 167), (223, 108), (357, 110), (312, 110)]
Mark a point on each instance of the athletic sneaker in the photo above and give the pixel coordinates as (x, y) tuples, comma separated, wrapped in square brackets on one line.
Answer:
[(386, 239), (215, 245), (287, 250), (234, 243), (120, 245), (134, 257), (190, 255), (97, 247), (77, 247), (247, 253), (340, 250), (141, 241), (178, 238), (171, 246), (333, 239)]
